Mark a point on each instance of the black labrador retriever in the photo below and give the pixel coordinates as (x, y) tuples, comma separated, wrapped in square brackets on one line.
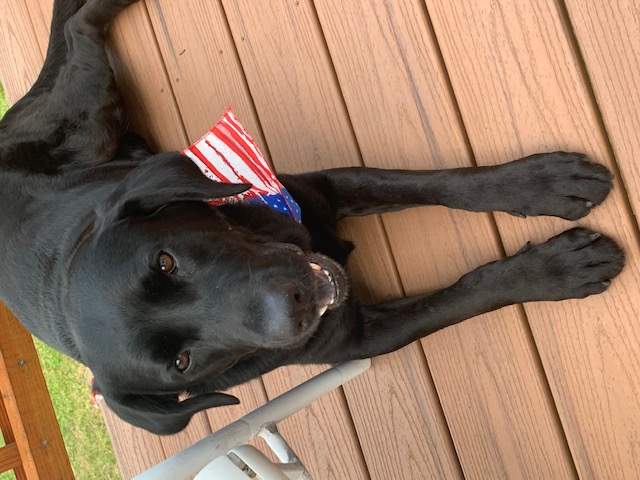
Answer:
[(110, 254)]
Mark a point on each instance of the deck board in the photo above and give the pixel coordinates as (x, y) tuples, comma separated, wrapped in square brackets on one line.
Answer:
[(140, 71), (20, 55), (276, 60), (199, 36), (40, 16), (544, 391), (529, 95), (141, 74), (211, 42), (398, 391), (411, 122), (609, 40), (299, 139), (136, 449)]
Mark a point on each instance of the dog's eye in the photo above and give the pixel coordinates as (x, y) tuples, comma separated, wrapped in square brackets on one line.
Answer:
[(183, 361), (166, 262)]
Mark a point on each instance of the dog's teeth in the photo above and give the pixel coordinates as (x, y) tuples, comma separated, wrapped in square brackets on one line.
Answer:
[(322, 310), (315, 266)]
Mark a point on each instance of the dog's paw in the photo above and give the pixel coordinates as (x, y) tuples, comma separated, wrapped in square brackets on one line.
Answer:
[(574, 264), (559, 184)]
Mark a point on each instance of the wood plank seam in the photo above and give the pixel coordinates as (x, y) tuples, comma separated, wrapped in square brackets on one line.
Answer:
[(237, 40), (608, 37), (359, 158), (383, 226), (441, 411), (544, 378), (597, 112), (166, 443), (524, 318), (462, 127), (564, 117), (379, 219), (393, 33), (33, 30), (501, 245), (165, 73), (184, 133), (14, 92), (336, 80), (340, 392), (42, 46), (252, 103), (470, 154), (158, 27)]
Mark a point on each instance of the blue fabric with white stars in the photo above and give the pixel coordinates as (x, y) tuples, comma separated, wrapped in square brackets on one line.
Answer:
[(282, 202)]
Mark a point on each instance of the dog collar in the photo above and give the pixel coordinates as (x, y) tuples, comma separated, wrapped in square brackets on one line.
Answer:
[(228, 154)]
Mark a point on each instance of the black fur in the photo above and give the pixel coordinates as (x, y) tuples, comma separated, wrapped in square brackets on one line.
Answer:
[(86, 210)]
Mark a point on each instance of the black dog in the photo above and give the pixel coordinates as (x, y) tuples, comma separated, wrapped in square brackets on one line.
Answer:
[(111, 255)]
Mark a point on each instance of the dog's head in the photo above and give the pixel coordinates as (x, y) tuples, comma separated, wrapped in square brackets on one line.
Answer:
[(170, 292)]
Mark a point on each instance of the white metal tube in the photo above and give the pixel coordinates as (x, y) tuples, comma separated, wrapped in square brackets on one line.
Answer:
[(278, 444), (191, 460), (256, 461)]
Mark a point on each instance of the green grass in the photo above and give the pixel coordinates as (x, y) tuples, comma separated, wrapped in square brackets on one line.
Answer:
[(82, 425), (4, 106)]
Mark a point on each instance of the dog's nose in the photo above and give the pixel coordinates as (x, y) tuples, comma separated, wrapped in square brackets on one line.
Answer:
[(287, 309)]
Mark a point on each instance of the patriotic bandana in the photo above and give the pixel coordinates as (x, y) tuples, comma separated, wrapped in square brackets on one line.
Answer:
[(228, 154)]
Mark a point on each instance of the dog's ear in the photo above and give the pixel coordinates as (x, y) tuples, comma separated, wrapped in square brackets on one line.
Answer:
[(160, 180), (163, 414)]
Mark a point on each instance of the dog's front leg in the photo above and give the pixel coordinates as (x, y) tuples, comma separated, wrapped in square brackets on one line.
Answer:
[(73, 115), (574, 264), (561, 184)]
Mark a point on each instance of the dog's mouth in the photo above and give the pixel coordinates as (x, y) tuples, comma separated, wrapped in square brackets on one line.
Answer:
[(328, 279), (330, 284)]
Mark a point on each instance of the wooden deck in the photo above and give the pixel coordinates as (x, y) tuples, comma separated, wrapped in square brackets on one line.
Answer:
[(548, 390)]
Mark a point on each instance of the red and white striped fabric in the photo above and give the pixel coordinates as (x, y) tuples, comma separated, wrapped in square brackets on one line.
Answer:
[(228, 154)]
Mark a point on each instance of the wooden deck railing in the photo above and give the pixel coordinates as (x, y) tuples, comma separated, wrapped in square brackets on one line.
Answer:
[(33, 443)]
